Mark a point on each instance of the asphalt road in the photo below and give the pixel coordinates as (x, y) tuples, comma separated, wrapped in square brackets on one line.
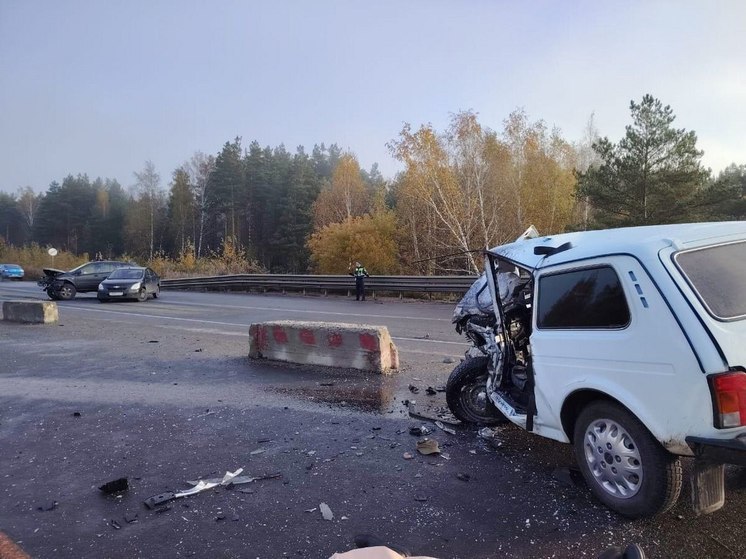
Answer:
[(162, 392)]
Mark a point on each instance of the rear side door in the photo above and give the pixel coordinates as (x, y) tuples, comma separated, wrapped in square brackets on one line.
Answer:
[(602, 326)]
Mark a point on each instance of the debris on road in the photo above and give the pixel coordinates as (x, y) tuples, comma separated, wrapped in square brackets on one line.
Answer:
[(428, 446), (449, 360), (488, 434), (463, 477), (420, 498), (46, 508), (115, 486), (230, 478), (444, 417), (114, 524), (413, 389), (258, 451), (234, 479), (407, 456), (326, 512), (76, 414), (130, 519), (430, 391), (439, 425), (419, 431)]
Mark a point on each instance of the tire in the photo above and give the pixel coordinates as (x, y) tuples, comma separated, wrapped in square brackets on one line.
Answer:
[(67, 291), (466, 393), (625, 467), (52, 295), (103, 299), (142, 295), (157, 291)]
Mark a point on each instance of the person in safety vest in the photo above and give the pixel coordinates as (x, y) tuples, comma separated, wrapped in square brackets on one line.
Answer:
[(359, 274)]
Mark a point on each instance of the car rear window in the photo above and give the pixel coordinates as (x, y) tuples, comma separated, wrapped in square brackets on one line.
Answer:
[(718, 276)]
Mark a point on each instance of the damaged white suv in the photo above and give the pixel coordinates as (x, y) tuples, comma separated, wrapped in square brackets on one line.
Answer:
[(628, 343)]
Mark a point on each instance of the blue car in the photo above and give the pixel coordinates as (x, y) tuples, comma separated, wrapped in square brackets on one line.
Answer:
[(11, 271)]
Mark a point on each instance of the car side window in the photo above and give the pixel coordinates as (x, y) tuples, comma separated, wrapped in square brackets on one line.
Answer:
[(89, 269), (588, 298), (106, 268)]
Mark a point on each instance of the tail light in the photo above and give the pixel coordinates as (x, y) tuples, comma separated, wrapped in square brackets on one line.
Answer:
[(729, 397)]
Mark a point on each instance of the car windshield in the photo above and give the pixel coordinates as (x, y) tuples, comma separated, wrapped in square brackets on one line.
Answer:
[(12, 267), (717, 275), (126, 273)]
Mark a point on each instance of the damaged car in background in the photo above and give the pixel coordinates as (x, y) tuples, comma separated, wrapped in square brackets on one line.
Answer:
[(61, 285), (630, 344)]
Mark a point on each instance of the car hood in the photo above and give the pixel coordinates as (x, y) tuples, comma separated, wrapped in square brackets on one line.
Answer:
[(122, 282), (52, 272)]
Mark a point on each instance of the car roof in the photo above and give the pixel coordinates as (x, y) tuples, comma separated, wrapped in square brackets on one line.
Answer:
[(644, 242)]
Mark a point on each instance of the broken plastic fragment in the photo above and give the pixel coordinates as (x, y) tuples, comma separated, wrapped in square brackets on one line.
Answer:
[(440, 425), (229, 476), (326, 512), (428, 446), (258, 451), (201, 486), (487, 434), (419, 431), (115, 486), (408, 456)]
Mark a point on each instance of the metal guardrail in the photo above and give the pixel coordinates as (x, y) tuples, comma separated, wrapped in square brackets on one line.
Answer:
[(325, 284)]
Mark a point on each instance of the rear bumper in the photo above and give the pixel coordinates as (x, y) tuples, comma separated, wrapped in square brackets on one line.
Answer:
[(720, 451)]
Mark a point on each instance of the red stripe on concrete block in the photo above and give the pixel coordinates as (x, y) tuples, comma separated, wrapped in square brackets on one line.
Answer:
[(368, 341), (307, 337), (355, 346), (279, 334)]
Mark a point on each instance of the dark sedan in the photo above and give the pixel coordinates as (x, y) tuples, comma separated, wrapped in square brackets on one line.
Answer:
[(130, 283)]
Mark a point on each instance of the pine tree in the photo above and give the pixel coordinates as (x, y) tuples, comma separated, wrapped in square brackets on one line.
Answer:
[(653, 175)]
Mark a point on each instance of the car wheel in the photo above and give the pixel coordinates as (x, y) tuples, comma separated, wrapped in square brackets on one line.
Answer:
[(157, 291), (67, 291), (103, 299), (52, 295), (625, 467), (466, 393), (142, 295)]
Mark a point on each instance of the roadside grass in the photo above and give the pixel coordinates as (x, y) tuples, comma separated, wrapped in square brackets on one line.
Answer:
[(230, 259)]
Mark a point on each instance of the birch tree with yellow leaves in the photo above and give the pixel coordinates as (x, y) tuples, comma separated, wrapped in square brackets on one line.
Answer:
[(469, 188)]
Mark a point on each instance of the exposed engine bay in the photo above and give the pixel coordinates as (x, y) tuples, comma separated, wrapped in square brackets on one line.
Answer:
[(507, 347)]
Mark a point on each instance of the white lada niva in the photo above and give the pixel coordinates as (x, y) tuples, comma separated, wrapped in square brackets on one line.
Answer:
[(629, 344)]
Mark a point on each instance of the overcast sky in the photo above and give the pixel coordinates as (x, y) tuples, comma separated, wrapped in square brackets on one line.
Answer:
[(99, 87)]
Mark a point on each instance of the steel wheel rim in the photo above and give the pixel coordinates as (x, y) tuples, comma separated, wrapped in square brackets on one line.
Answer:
[(474, 396), (613, 458)]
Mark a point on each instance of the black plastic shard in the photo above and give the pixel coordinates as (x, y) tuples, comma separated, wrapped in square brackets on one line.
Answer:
[(115, 486)]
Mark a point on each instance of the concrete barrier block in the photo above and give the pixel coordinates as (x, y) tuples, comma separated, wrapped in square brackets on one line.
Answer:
[(357, 346), (30, 312)]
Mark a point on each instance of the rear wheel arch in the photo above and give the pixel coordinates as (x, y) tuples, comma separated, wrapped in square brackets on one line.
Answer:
[(576, 402)]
